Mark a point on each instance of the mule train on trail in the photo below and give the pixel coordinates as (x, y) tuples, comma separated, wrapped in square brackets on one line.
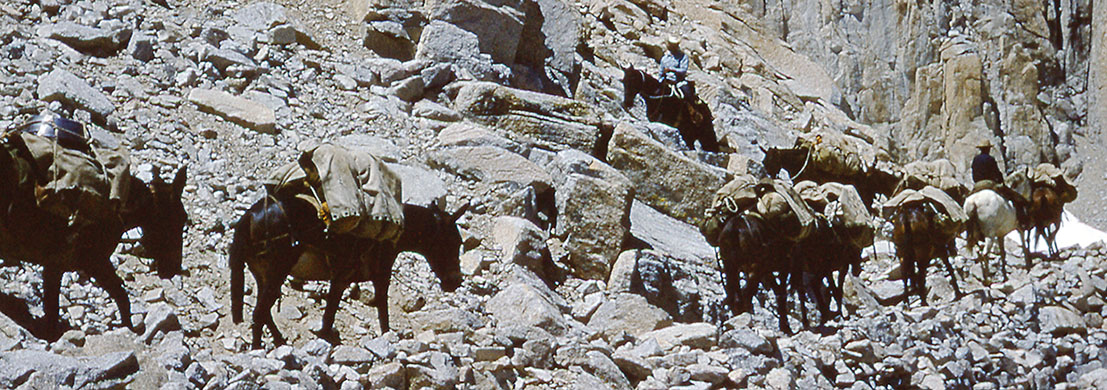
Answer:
[(295, 231), (65, 205), (765, 237)]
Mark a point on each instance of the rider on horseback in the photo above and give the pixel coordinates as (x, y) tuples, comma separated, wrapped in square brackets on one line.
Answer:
[(986, 175), (674, 68)]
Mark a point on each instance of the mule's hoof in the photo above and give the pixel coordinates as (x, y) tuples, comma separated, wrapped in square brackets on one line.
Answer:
[(329, 335)]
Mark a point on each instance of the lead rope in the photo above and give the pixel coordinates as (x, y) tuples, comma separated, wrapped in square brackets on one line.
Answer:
[(804, 167)]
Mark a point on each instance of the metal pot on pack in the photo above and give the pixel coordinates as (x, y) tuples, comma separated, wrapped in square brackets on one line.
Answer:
[(69, 134)]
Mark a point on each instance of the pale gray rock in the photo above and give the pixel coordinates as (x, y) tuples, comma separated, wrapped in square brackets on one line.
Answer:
[(431, 110), (363, 75), (522, 243), (274, 21), (490, 164), (409, 89), (83, 38), (628, 313), (534, 119), (388, 375), (431, 369), (347, 355), (141, 46), (605, 369), (61, 85), (622, 272), (390, 39), (445, 320), (780, 379), (599, 210), (663, 281), (498, 27), (225, 58), (635, 366), (1060, 321), (469, 134), (1096, 379), (708, 373), (421, 186), (236, 109), (668, 235), (683, 192), (447, 43), (161, 318), (388, 70), (520, 304), (747, 339), (438, 75), (699, 336), (101, 371), (888, 292), (372, 145), (346, 83), (587, 381)]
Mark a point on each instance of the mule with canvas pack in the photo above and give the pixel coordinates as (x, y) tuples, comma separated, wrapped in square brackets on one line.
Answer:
[(79, 227)]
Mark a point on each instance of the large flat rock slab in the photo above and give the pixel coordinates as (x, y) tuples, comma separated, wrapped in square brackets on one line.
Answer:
[(242, 111)]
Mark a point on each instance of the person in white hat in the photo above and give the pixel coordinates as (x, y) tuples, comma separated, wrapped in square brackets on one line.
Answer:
[(674, 68)]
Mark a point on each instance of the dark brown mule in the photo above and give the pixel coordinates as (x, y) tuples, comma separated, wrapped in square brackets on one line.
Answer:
[(815, 258), (748, 246), (1044, 211), (693, 120), (30, 234), (282, 236), (918, 240), (798, 162)]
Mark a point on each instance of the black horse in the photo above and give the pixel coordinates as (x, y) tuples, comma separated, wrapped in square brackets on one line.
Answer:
[(33, 235), (281, 235), (693, 120)]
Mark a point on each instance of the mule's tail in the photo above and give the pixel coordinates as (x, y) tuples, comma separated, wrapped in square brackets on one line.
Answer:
[(235, 259), (973, 231)]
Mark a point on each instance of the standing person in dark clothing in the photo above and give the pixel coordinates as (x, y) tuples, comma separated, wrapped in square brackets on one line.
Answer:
[(984, 166)]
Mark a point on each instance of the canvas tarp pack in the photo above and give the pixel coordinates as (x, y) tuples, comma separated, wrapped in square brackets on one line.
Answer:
[(837, 153), (771, 199), (954, 215), (1046, 174), (81, 186), (939, 173), (357, 193)]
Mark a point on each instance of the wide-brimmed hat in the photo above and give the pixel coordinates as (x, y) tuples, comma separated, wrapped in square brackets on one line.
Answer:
[(984, 144), (673, 40)]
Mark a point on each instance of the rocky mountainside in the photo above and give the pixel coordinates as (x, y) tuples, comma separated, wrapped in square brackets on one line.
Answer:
[(583, 266)]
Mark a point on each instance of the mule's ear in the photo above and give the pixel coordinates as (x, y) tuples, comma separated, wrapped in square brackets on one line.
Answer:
[(179, 180), (155, 174), (460, 211)]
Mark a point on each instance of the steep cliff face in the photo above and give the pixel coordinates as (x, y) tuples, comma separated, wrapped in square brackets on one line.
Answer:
[(1092, 203), (939, 76)]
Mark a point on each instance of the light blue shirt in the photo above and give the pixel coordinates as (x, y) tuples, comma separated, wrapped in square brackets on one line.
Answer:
[(674, 66)]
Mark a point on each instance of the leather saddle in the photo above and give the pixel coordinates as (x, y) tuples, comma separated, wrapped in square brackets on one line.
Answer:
[(68, 134)]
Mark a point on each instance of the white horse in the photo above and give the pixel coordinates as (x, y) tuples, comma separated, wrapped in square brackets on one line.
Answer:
[(991, 218)]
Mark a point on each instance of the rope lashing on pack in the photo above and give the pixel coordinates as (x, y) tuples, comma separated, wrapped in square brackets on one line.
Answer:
[(806, 160)]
